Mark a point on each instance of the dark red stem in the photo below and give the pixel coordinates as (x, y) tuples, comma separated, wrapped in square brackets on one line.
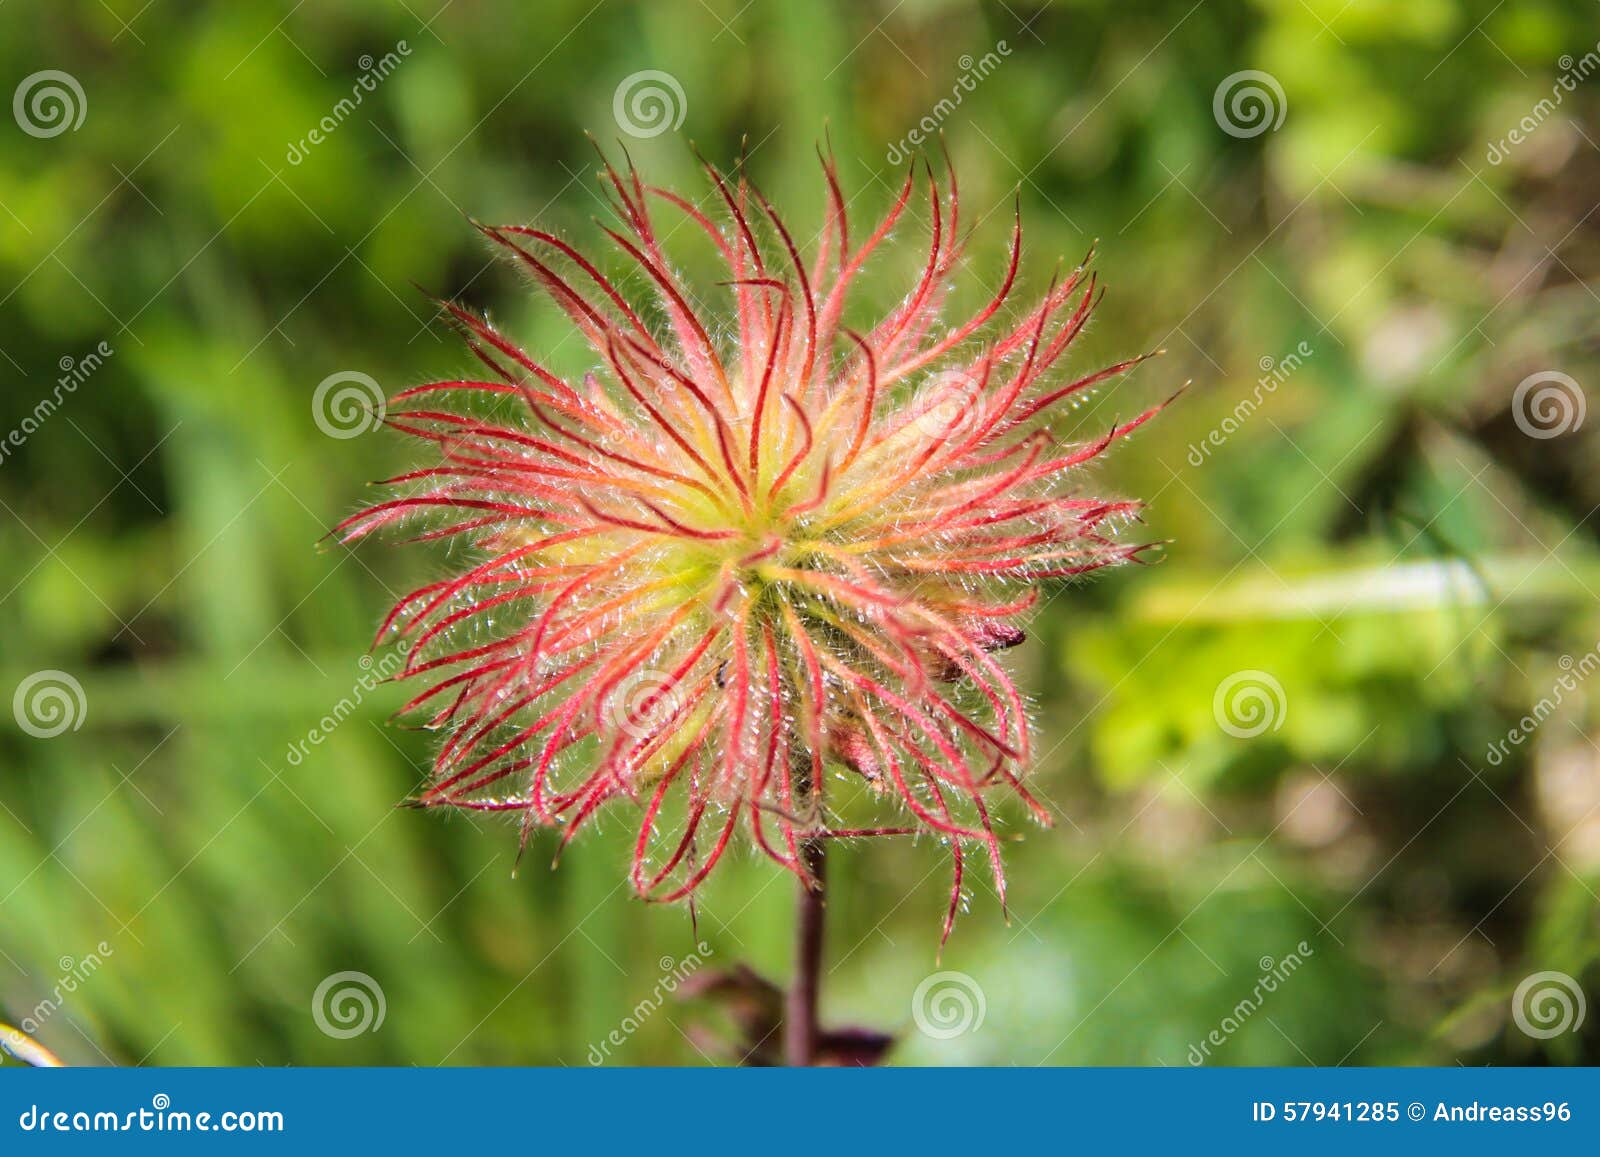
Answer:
[(801, 1033)]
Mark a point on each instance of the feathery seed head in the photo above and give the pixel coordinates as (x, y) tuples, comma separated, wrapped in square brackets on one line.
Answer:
[(729, 577)]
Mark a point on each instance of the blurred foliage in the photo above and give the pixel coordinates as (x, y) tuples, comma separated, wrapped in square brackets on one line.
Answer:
[(1375, 533)]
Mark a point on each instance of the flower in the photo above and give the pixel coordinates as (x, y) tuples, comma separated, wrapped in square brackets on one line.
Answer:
[(750, 572)]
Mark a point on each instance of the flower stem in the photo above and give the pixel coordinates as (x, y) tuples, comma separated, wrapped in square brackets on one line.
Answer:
[(800, 1017)]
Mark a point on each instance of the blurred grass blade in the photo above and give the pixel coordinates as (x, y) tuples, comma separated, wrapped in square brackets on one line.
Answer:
[(1397, 587), (27, 1050)]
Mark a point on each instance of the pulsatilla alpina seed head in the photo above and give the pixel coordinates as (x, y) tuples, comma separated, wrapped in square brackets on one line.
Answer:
[(751, 572)]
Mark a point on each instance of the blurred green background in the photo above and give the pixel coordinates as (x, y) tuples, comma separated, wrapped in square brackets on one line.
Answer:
[(1360, 522)]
